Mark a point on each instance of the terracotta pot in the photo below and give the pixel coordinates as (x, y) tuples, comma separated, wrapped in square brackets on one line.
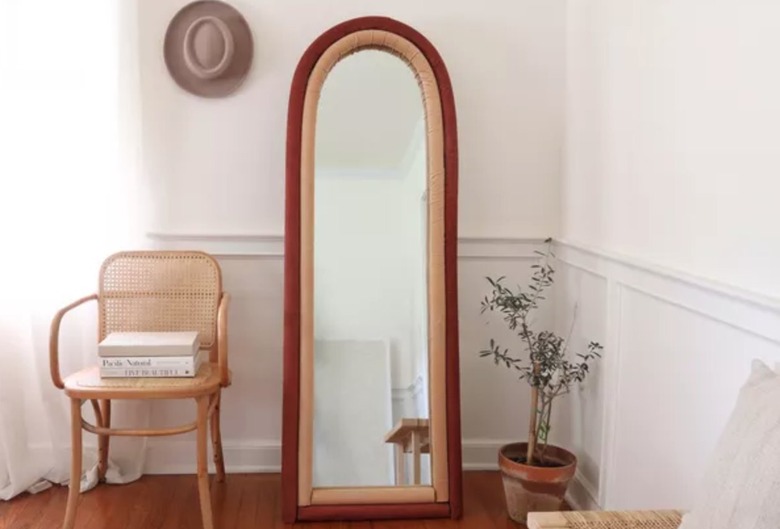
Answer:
[(529, 488)]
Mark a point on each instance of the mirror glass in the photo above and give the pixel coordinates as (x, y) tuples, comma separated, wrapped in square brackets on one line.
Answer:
[(370, 277)]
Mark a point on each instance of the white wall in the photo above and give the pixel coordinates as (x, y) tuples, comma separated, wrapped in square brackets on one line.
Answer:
[(672, 115), (218, 168), (219, 163), (670, 249)]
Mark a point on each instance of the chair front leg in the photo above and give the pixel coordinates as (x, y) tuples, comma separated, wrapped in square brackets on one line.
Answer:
[(103, 440), (216, 438), (203, 469), (75, 464)]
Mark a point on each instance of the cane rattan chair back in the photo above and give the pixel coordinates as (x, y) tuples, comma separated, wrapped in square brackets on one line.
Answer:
[(152, 291)]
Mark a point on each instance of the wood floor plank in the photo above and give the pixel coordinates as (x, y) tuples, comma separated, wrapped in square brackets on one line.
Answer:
[(489, 492), (5, 508), (190, 517), (185, 494), (226, 500), (269, 511), (176, 491), (28, 512), (53, 510), (162, 492), (243, 501), (103, 507)]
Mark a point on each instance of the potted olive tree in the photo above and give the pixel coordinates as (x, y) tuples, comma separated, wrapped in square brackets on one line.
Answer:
[(535, 474)]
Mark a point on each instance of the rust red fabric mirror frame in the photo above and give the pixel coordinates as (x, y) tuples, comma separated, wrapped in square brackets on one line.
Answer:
[(291, 511)]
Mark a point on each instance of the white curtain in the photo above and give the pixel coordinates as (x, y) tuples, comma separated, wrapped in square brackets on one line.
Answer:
[(71, 192)]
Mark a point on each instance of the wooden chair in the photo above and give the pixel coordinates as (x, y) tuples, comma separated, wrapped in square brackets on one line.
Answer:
[(410, 436), (152, 291)]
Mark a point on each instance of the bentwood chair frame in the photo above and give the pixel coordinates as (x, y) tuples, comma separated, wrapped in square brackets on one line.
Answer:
[(152, 291)]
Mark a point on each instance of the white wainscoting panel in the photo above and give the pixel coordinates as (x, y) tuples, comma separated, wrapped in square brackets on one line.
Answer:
[(677, 350), (493, 401), (251, 409)]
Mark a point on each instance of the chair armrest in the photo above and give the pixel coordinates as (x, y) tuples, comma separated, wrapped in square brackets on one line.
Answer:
[(222, 340), (54, 339)]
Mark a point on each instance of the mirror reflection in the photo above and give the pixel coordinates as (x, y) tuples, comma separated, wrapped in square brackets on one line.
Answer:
[(370, 268)]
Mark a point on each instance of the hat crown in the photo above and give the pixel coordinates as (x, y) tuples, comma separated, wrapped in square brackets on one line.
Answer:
[(208, 45)]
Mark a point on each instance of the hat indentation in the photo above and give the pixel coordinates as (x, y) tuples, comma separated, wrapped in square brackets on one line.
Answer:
[(208, 47)]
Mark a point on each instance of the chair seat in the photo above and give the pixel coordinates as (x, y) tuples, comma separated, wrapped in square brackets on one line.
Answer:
[(88, 384)]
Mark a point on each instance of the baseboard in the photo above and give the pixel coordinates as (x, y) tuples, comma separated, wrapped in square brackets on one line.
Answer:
[(481, 454), (582, 495), (178, 457), (264, 456)]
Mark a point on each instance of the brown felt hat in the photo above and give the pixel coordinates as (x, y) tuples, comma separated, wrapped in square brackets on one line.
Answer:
[(208, 48)]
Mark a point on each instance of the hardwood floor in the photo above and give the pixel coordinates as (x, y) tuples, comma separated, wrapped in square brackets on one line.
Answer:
[(244, 501)]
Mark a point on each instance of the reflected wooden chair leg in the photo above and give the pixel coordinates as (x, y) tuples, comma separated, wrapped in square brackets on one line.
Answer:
[(416, 457), (203, 469), (75, 464), (103, 440), (216, 439), (400, 465)]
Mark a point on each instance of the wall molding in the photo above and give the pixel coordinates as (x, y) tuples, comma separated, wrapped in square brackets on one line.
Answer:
[(257, 245), (491, 248), (727, 304), (482, 454), (685, 278), (221, 244), (582, 494), (165, 456), (178, 457)]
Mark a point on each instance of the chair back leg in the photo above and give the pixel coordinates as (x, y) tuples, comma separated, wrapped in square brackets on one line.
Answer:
[(216, 438), (75, 464)]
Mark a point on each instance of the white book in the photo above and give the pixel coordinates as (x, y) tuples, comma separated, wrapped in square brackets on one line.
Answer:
[(134, 362), (154, 372), (147, 344)]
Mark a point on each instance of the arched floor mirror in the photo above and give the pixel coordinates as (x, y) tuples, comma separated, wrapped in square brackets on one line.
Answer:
[(371, 419)]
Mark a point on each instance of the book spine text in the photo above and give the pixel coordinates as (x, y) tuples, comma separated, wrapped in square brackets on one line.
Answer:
[(145, 372)]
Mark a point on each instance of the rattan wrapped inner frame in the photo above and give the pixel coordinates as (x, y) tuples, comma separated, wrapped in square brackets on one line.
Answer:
[(145, 291)]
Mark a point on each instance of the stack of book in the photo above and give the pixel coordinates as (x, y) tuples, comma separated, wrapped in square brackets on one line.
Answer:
[(150, 354)]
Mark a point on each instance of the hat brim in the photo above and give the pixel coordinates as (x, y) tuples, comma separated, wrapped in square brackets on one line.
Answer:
[(173, 49)]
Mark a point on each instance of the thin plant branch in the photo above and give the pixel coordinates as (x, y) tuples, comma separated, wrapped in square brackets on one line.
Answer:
[(545, 366)]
